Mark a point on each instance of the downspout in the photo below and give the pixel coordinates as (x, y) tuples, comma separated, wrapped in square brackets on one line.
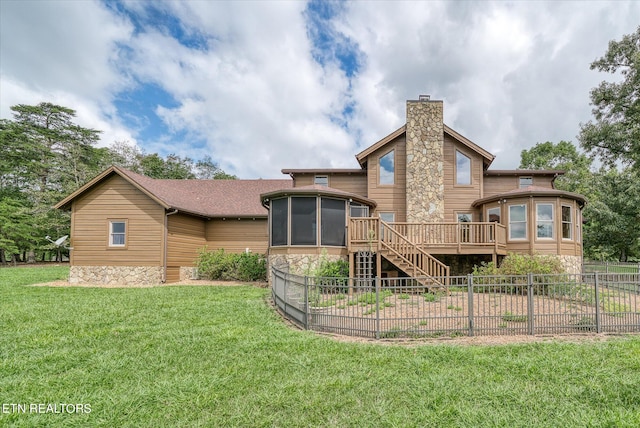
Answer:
[(164, 262)]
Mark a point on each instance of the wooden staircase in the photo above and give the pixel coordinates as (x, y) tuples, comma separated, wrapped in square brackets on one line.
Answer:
[(411, 259)]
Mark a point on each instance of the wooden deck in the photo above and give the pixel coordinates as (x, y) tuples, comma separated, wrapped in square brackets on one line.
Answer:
[(368, 234)]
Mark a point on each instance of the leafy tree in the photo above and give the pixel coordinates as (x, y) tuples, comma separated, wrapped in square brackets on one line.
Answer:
[(615, 134), (613, 216), (15, 232), (207, 169), (562, 156)]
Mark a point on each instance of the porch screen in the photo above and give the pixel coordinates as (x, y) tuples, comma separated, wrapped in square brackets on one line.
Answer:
[(303, 221), (332, 221), (279, 210)]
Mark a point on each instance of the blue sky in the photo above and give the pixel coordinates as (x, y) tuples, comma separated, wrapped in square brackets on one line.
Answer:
[(262, 86)]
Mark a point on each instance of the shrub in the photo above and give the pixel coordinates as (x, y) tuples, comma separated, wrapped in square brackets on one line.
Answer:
[(230, 266), (510, 276), (332, 275)]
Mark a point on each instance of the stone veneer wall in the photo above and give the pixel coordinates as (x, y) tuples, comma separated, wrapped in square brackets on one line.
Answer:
[(572, 264), (116, 275), (300, 264), (188, 272), (425, 161)]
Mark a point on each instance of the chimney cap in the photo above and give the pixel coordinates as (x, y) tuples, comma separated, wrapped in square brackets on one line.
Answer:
[(424, 97)]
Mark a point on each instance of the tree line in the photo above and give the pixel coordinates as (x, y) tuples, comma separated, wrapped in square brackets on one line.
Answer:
[(44, 156)]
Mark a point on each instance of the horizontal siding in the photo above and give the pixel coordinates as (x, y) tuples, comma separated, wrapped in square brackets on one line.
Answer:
[(235, 236), (115, 198), (353, 183), (459, 198), (498, 184), (390, 198), (185, 235)]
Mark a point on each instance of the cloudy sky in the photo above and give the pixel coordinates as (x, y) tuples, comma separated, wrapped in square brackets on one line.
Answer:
[(266, 85)]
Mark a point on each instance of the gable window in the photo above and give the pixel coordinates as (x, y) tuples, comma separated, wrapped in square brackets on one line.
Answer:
[(518, 221), (544, 220), (387, 168), (321, 180), (303, 221), (279, 220), (332, 222), (567, 223), (463, 169), (525, 182), (117, 233)]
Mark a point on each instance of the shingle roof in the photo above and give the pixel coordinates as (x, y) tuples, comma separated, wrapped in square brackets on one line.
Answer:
[(315, 189), (207, 198), (531, 191)]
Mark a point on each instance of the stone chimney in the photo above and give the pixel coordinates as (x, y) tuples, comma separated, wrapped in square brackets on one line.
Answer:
[(425, 160)]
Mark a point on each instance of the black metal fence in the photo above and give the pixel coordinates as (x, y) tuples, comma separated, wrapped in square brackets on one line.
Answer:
[(472, 305), (611, 267)]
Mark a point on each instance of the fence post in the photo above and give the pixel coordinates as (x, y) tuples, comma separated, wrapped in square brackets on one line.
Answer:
[(470, 302), (597, 295), (285, 298), (306, 302), (530, 325), (377, 283)]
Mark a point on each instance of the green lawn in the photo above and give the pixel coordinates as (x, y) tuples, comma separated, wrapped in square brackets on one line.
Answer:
[(220, 356)]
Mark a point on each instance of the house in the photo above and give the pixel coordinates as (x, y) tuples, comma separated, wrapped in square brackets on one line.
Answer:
[(130, 229), (423, 201)]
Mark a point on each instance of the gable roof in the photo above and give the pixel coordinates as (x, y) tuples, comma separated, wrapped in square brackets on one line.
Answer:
[(488, 157), (205, 198)]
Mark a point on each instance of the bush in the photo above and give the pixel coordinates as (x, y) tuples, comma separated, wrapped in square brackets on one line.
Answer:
[(332, 275), (517, 265), (230, 266)]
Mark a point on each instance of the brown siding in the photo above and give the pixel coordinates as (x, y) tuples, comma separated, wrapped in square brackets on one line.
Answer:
[(236, 235), (459, 198), (353, 183), (390, 198), (497, 184), (185, 235), (114, 199)]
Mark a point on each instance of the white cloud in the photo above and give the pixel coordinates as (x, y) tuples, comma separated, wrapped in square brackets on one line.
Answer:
[(250, 94)]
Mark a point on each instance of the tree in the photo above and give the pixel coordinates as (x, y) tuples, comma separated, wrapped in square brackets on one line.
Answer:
[(562, 156), (613, 216), (615, 135), (207, 169)]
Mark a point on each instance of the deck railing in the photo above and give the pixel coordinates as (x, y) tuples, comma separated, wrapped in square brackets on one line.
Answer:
[(368, 231)]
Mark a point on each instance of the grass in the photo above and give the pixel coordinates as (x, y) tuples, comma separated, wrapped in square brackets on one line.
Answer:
[(509, 317), (220, 356)]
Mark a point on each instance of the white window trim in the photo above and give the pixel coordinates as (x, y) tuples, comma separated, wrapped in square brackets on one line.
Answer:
[(111, 234), (552, 221), (526, 224)]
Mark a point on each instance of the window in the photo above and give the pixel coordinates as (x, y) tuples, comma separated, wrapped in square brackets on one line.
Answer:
[(465, 229), (463, 169), (303, 221), (526, 182), (321, 180), (387, 168), (358, 210), (279, 217), (567, 224), (332, 222), (387, 218), (518, 221), (544, 219), (117, 233), (493, 214)]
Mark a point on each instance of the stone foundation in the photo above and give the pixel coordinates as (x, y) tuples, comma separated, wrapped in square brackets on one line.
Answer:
[(572, 264), (188, 272), (300, 264), (116, 275)]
